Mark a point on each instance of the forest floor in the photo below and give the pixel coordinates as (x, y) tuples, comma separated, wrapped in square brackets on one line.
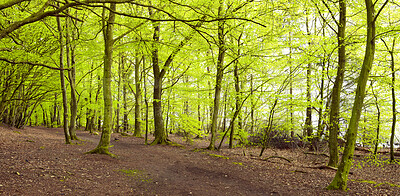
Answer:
[(35, 161)]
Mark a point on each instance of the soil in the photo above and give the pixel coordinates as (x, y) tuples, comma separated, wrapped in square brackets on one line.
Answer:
[(35, 161)]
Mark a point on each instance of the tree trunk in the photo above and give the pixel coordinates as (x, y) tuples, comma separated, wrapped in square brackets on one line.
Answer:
[(159, 133), (218, 81), (138, 100), (337, 88), (392, 87), (71, 75), (63, 88), (121, 69), (102, 147), (237, 95), (146, 103), (124, 97), (308, 122), (340, 180), (376, 142)]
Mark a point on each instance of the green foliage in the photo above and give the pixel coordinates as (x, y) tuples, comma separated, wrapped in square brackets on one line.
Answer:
[(375, 161), (376, 183)]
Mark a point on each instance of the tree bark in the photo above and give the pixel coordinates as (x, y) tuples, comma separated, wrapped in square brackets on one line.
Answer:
[(71, 76), (308, 122), (121, 69), (63, 88), (159, 133), (237, 94), (337, 88), (376, 142), (392, 88), (340, 180), (218, 79), (102, 147), (138, 100)]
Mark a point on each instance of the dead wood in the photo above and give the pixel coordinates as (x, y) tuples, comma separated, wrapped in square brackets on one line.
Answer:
[(317, 154), (326, 167), (278, 157)]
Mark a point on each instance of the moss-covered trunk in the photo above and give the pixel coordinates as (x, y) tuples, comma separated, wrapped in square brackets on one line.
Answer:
[(218, 81), (337, 88), (341, 177), (102, 147)]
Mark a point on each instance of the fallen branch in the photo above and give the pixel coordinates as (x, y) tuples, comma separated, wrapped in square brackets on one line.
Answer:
[(326, 167), (278, 157), (318, 154), (362, 149)]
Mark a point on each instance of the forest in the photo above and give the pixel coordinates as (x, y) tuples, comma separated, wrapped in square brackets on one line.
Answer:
[(272, 74)]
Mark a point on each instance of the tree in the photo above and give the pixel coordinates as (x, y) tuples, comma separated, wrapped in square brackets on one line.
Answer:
[(340, 180), (219, 76), (138, 98), (337, 87), (63, 88), (392, 87), (102, 147)]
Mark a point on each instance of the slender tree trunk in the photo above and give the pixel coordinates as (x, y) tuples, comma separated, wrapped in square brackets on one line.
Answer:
[(340, 180), (124, 97), (393, 130), (376, 142), (102, 147), (237, 94), (90, 114), (146, 103), (54, 117), (321, 100), (337, 88), (138, 100), (71, 75), (121, 69), (74, 105), (308, 122), (392, 87), (63, 88), (220, 75)]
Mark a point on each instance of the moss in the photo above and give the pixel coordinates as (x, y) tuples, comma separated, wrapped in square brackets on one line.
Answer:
[(219, 156), (376, 183), (101, 150), (136, 174)]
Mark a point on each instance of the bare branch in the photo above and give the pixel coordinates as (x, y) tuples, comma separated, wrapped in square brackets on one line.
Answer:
[(10, 4), (30, 63)]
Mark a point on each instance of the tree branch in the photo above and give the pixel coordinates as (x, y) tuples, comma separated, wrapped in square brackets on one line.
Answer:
[(30, 63), (10, 4)]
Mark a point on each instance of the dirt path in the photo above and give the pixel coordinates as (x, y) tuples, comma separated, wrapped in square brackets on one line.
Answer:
[(35, 161)]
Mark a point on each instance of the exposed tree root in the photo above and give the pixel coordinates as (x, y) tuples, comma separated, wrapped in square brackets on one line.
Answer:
[(161, 141), (101, 150)]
